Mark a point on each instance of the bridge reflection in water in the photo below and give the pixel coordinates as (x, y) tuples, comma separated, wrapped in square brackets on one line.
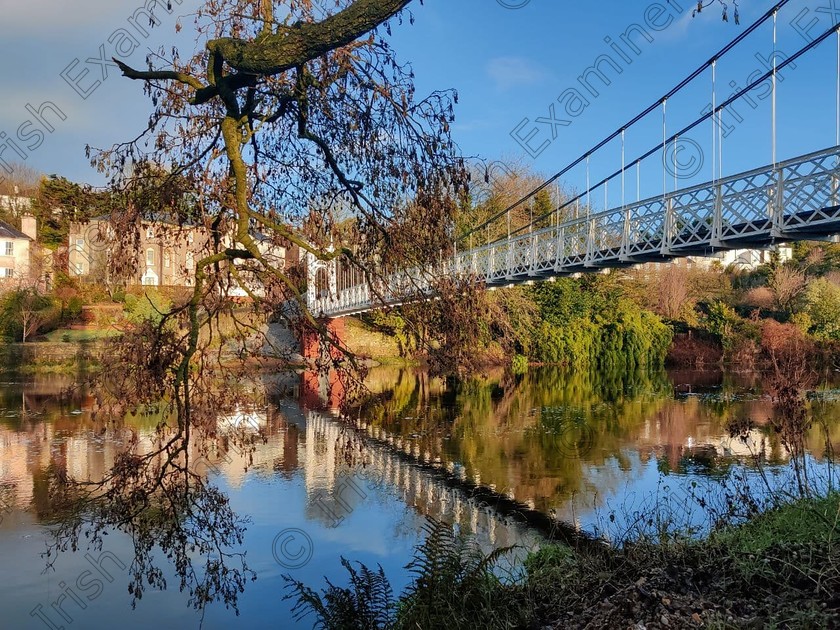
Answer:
[(340, 472), (568, 445)]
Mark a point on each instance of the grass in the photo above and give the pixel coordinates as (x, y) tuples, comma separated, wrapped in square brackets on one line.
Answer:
[(364, 341), (802, 522)]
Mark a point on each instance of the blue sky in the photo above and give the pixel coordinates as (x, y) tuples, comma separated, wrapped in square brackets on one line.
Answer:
[(509, 66)]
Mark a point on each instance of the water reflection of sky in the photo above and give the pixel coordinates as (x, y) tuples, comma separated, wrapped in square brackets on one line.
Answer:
[(577, 446)]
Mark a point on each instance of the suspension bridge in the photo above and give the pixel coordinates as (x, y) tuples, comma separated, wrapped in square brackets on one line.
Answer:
[(794, 199)]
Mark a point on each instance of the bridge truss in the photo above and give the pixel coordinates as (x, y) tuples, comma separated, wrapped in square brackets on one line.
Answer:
[(794, 200)]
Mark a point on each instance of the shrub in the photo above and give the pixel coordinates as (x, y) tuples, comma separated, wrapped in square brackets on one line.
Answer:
[(148, 307), (519, 364), (759, 297), (823, 308), (24, 313), (623, 336)]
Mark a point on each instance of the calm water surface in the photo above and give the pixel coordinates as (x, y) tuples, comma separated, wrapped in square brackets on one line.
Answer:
[(575, 447)]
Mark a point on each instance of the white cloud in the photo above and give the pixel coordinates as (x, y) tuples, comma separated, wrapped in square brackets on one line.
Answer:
[(510, 72)]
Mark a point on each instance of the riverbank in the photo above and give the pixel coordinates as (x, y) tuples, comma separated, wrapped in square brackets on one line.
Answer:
[(51, 357), (779, 569)]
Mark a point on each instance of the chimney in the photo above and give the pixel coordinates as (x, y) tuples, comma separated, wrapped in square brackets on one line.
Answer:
[(29, 226)]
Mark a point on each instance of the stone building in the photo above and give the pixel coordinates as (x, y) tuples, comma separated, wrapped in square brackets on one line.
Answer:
[(166, 253)]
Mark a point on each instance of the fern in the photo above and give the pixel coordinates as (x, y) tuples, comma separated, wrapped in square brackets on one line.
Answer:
[(368, 603), (454, 586)]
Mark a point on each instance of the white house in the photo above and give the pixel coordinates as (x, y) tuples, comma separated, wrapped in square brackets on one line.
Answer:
[(745, 259), (16, 248), (15, 204)]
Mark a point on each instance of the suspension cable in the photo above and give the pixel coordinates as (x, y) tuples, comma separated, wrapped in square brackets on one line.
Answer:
[(623, 198), (664, 149), (723, 51), (767, 75), (714, 122), (773, 115)]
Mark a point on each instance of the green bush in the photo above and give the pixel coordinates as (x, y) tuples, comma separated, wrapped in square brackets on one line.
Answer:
[(823, 309), (25, 313), (622, 336), (151, 306), (74, 308), (519, 364)]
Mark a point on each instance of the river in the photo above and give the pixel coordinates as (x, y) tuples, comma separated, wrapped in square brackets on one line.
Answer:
[(504, 458)]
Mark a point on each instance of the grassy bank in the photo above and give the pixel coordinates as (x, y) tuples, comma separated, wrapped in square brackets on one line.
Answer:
[(366, 341), (779, 569)]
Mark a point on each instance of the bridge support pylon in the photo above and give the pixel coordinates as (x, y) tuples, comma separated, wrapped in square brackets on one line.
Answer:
[(321, 384), (314, 347)]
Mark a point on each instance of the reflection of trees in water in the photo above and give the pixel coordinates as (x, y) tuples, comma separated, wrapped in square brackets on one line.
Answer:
[(140, 472), (557, 438)]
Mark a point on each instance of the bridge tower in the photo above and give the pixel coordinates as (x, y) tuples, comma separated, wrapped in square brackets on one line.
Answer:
[(321, 291), (321, 384)]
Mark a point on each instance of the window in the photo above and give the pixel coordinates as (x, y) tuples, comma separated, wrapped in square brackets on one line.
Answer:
[(190, 260), (150, 257), (80, 244), (150, 233), (6, 273), (10, 248), (167, 261)]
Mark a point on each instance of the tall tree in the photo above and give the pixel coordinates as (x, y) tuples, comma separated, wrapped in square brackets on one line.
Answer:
[(291, 106), (294, 115)]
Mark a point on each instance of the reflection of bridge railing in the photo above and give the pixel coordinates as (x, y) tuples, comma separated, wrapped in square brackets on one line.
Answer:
[(796, 199), (392, 466)]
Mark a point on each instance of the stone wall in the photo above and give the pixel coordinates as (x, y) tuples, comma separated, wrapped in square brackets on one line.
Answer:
[(14, 356)]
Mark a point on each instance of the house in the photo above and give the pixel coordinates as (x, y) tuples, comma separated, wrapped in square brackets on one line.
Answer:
[(274, 254), (744, 259), (166, 252), (15, 204), (17, 250)]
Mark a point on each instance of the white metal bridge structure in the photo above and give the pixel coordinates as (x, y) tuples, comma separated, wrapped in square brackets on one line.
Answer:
[(784, 201)]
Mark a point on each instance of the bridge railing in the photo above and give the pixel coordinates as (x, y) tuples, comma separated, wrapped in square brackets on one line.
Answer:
[(796, 198)]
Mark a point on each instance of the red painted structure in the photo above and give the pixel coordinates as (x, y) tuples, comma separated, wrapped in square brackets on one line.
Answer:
[(315, 350)]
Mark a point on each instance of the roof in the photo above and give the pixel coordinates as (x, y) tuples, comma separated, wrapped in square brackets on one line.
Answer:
[(151, 220), (7, 231)]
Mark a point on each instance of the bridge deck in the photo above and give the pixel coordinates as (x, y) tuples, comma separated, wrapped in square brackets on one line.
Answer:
[(796, 199)]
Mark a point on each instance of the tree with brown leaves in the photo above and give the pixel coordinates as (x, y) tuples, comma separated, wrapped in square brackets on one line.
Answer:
[(291, 111)]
